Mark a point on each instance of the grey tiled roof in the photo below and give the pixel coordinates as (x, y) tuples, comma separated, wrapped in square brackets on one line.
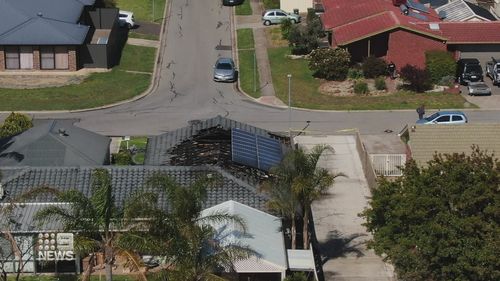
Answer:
[(22, 218), (48, 22), (129, 179), (159, 147), (461, 10), (44, 145)]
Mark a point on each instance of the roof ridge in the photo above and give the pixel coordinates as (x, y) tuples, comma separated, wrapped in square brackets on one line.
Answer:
[(71, 35), (14, 28), (363, 19)]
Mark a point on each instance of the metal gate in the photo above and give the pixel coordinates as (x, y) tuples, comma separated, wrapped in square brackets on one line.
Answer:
[(388, 165)]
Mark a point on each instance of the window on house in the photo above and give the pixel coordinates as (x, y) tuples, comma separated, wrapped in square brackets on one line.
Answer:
[(26, 57), (47, 57), (61, 57), (11, 57)]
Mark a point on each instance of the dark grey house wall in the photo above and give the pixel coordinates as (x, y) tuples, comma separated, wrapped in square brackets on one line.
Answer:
[(93, 56), (103, 18)]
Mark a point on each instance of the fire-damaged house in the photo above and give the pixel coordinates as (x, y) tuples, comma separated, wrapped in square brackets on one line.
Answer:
[(401, 31)]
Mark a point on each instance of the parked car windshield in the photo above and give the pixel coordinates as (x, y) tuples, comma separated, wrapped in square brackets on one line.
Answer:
[(432, 117), (224, 66), (474, 68)]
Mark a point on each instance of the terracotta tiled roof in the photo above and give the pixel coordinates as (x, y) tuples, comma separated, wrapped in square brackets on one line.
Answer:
[(351, 21), (471, 32)]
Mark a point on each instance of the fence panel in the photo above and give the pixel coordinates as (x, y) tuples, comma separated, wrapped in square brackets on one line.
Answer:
[(388, 165)]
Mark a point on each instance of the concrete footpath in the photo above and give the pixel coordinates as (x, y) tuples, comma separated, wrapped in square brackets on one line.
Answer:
[(338, 228)]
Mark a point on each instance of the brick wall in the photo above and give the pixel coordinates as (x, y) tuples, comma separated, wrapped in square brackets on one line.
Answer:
[(2, 59), (406, 47), (36, 58), (72, 63)]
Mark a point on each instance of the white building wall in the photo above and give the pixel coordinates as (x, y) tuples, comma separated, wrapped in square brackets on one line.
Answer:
[(302, 5)]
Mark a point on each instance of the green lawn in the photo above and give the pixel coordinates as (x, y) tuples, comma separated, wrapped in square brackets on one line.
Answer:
[(133, 34), (246, 62), (244, 9), (143, 9), (96, 90), (137, 58), (140, 143), (245, 38), (271, 4), (305, 92)]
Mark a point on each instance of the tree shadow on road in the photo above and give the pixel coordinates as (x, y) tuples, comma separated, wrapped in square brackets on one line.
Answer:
[(338, 245)]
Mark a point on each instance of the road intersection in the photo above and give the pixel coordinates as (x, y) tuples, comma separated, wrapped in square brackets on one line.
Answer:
[(195, 36)]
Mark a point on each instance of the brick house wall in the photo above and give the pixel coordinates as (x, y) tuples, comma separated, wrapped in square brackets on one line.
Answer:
[(36, 58), (72, 62), (2, 59), (406, 47)]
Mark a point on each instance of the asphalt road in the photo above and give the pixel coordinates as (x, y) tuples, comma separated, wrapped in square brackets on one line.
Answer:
[(198, 32)]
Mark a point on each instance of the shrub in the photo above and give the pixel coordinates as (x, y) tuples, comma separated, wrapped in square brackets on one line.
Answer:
[(285, 25), (14, 124), (447, 81), (271, 4), (419, 79), (361, 88), (374, 67), (331, 64), (122, 158), (296, 276), (380, 83), (304, 39), (354, 73), (439, 64)]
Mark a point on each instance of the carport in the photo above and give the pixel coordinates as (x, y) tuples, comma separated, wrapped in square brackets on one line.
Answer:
[(482, 52)]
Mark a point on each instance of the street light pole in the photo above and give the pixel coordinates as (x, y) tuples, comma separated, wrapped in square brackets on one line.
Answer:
[(289, 106)]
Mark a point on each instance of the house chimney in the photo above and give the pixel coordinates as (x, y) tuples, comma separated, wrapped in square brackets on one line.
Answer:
[(39, 14)]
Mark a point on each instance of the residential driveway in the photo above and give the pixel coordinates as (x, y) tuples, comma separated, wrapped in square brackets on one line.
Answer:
[(147, 28), (484, 102), (339, 229)]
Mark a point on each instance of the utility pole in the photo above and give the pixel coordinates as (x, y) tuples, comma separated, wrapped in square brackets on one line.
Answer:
[(289, 106)]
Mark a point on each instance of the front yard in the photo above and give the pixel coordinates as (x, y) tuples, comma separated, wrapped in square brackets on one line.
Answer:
[(246, 53), (143, 9), (305, 90), (129, 79)]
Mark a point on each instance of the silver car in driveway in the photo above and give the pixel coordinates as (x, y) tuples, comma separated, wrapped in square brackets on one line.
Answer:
[(276, 16), (225, 70), (478, 89)]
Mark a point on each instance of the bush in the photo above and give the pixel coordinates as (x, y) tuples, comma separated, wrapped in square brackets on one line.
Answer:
[(122, 158), (439, 64), (271, 4), (285, 25), (354, 73), (296, 276), (380, 83), (447, 81), (304, 39), (374, 67), (419, 79), (361, 88), (14, 124), (331, 64)]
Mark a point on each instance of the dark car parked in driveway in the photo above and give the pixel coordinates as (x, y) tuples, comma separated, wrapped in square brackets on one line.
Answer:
[(232, 2), (469, 70)]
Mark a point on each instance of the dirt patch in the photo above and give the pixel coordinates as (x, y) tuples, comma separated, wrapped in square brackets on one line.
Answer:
[(346, 88), (274, 38), (22, 81)]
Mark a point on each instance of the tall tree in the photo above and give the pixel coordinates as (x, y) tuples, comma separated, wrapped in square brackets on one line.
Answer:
[(193, 250), (440, 221), (92, 217), (299, 178)]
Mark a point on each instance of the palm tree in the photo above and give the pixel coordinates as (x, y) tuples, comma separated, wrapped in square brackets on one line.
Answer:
[(196, 253), (92, 218), (298, 177)]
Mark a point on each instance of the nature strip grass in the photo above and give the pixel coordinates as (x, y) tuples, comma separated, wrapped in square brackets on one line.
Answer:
[(305, 94), (143, 9), (244, 9), (246, 53)]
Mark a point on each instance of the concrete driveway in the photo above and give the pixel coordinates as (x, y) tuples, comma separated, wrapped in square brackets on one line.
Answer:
[(484, 102)]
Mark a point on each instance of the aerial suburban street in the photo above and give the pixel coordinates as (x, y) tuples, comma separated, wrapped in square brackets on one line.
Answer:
[(195, 36)]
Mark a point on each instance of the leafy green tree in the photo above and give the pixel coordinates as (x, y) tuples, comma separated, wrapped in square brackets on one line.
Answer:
[(330, 64), (440, 221), (192, 248), (286, 26), (304, 39), (94, 217), (299, 175), (14, 124), (297, 276), (440, 64)]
